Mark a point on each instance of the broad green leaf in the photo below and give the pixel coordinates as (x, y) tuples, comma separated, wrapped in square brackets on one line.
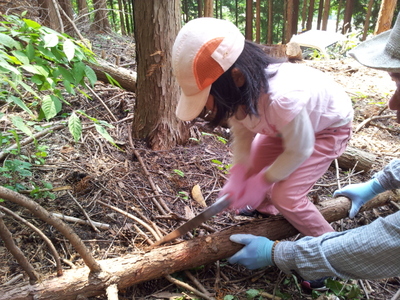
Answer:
[(103, 132), (50, 40), (32, 69), (79, 71), (66, 74), (14, 60), (22, 57), (91, 75), (29, 89), (32, 24), (75, 126), (20, 103), (56, 101), (69, 49), (48, 107), (30, 51), (20, 124), (8, 41), (9, 67)]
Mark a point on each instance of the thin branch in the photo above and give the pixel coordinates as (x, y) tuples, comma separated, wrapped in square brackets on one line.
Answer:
[(65, 229), (84, 212), (28, 140), (130, 216), (8, 241), (41, 234), (99, 225)]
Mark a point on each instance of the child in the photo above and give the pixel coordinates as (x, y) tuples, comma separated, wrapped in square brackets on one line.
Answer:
[(289, 121)]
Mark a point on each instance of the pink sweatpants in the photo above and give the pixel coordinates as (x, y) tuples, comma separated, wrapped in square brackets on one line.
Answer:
[(289, 196)]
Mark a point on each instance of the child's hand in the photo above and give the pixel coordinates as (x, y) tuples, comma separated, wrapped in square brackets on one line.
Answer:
[(236, 182), (254, 192)]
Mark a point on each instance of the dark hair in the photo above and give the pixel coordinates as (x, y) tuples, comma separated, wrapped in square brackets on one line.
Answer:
[(228, 97)]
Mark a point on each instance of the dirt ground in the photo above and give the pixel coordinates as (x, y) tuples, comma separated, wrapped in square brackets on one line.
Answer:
[(92, 170)]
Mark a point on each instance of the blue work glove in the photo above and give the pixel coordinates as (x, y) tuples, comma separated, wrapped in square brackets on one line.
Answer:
[(256, 253), (235, 183), (360, 194), (254, 192)]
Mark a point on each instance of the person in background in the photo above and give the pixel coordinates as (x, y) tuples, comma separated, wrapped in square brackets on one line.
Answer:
[(367, 252), (288, 121)]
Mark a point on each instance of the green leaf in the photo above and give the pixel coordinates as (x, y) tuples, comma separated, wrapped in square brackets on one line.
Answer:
[(22, 57), (8, 41), (32, 24), (252, 293), (75, 126), (50, 40), (66, 74), (91, 75), (20, 124), (20, 103), (48, 107), (103, 132), (69, 49)]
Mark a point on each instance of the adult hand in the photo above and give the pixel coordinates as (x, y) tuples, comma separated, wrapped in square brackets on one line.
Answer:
[(360, 194), (236, 182), (256, 253), (254, 192)]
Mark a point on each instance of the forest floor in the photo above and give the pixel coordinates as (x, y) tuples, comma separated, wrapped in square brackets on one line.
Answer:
[(96, 171)]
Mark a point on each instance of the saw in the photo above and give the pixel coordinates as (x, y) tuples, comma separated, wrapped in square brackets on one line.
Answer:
[(219, 205)]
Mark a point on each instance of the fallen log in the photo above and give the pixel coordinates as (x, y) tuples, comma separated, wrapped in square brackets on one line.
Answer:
[(356, 158), (157, 262), (125, 77)]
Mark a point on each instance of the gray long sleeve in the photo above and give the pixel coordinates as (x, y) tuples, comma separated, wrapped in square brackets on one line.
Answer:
[(389, 177), (368, 252)]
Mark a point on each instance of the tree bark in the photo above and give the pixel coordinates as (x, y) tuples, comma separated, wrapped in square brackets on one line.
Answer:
[(325, 16), (348, 13), (249, 20), (157, 23), (385, 16), (358, 159), (126, 78), (367, 17), (157, 262)]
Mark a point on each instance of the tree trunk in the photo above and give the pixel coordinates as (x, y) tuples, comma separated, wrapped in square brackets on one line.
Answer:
[(304, 15), (199, 8), (325, 17), (208, 8), (320, 11), (289, 21), (258, 21), (385, 16), (348, 13), (249, 20), (48, 15), (367, 18), (100, 22), (83, 15), (157, 262), (156, 25), (310, 15), (66, 5), (270, 21)]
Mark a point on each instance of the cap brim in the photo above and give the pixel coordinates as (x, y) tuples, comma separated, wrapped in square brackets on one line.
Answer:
[(190, 107), (372, 54)]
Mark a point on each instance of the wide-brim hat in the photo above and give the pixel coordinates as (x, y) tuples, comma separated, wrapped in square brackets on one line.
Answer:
[(381, 52), (203, 50)]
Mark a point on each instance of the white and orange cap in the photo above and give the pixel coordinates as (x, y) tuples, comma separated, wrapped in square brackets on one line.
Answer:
[(203, 50)]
